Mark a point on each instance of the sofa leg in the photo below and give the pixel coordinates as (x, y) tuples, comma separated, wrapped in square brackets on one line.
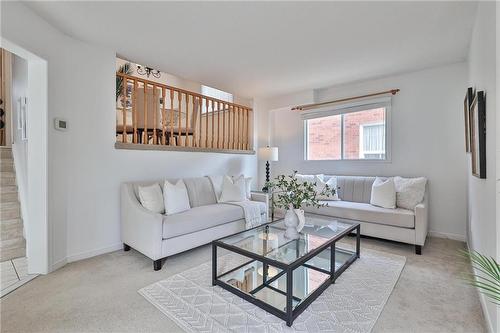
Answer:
[(126, 247), (418, 249), (157, 265)]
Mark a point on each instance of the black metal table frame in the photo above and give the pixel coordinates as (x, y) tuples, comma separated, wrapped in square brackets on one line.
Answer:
[(290, 314)]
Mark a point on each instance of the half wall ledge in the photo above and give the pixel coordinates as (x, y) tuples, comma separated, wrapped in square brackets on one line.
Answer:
[(138, 146)]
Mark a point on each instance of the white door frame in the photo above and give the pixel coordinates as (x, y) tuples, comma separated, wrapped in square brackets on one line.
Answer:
[(37, 237)]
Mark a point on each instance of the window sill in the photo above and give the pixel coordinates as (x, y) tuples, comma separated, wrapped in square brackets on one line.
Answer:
[(136, 146)]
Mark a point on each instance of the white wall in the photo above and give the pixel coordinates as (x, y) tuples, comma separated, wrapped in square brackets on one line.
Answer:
[(20, 147), (85, 170), (482, 194), (427, 139)]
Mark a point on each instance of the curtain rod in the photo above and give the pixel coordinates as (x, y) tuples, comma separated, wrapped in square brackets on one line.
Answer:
[(309, 106)]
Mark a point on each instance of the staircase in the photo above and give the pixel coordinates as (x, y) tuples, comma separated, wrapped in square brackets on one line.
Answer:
[(12, 242)]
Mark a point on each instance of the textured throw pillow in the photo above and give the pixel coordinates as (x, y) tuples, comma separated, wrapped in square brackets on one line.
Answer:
[(248, 184), (217, 185), (409, 191), (308, 178), (233, 191), (332, 184), (176, 197), (383, 193), (151, 198)]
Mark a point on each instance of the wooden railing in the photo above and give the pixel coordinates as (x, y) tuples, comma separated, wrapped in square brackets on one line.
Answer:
[(150, 113)]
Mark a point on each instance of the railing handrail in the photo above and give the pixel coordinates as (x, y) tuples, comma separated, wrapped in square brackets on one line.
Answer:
[(187, 92)]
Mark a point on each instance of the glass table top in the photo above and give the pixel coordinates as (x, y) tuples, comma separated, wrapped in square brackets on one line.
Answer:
[(269, 240)]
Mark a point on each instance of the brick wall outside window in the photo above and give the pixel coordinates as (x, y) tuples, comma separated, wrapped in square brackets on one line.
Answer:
[(324, 134)]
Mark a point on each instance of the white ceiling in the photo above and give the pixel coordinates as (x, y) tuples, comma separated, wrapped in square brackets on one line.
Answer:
[(256, 49)]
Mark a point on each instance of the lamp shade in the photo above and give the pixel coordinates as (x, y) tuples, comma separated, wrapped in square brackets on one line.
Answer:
[(268, 153)]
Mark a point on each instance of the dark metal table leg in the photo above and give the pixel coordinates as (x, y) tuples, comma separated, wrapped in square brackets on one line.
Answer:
[(214, 263), (289, 297), (358, 241), (332, 262)]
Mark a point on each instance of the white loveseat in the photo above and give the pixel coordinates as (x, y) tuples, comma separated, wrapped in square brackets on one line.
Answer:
[(402, 225), (158, 236)]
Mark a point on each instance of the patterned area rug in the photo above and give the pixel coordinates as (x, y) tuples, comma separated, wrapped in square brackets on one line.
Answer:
[(352, 304)]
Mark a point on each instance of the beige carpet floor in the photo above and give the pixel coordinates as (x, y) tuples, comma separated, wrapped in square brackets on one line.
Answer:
[(100, 294)]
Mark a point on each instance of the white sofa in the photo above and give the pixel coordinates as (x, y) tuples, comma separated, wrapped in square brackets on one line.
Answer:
[(402, 225), (158, 236)]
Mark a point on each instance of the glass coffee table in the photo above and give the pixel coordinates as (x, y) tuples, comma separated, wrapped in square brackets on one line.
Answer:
[(283, 276)]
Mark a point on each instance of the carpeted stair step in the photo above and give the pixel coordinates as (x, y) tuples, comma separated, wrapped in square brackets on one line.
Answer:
[(12, 248), (9, 210), (11, 229), (8, 197), (7, 165), (5, 153)]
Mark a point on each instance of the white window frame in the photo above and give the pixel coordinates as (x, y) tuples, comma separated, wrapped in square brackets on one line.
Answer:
[(362, 152), (345, 108)]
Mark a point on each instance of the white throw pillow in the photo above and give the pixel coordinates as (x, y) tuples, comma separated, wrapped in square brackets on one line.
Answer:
[(308, 178), (217, 185), (332, 184), (233, 191), (176, 197), (248, 184), (383, 193), (151, 198), (409, 191)]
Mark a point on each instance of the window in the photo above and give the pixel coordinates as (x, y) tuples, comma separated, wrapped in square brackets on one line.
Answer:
[(354, 132), (216, 93), (372, 141)]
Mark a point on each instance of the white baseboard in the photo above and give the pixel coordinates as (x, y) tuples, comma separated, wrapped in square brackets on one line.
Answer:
[(85, 255), (93, 253), (447, 235), (58, 264), (482, 300)]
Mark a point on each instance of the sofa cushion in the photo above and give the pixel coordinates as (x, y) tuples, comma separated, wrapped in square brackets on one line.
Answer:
[(354, 188), (200, 191), (202, 217), (365, 212)]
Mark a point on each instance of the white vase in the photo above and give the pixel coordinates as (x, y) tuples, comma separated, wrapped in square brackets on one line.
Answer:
[(294, 222)]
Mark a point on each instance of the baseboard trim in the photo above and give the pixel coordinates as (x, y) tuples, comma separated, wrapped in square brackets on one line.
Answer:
[(482, 300), (58, 264), (85, 255), (446, 235), (93, 253)]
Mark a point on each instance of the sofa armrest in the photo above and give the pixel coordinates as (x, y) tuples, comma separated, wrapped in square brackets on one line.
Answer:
[(261, 197), (140, 228), (421, 221)]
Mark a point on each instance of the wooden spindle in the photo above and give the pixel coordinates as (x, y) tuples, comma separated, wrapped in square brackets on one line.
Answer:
[(145, 132), (213, 124), (124, 110), (179, 134), (224, 126), (218, 124), (171, 140), (134, 112), (155, 108), (200, 106), (187, 141), (248, 129), (163, 116), (233, 145), (206, 123)]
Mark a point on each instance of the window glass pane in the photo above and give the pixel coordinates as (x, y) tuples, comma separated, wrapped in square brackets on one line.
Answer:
[(364, 134), (324, 138)]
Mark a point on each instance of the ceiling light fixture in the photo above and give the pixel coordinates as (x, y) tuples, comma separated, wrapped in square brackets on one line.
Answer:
[(144, 70)]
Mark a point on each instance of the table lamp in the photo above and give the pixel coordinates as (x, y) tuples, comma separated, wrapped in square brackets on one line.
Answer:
[(268, 154)]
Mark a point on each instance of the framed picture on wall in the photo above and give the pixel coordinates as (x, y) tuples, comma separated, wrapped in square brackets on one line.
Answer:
[(469, 96), (478, 135)]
